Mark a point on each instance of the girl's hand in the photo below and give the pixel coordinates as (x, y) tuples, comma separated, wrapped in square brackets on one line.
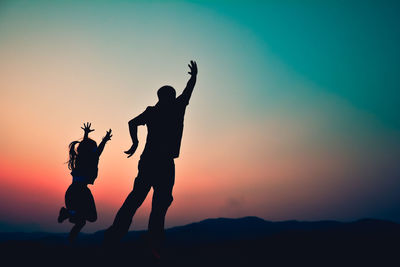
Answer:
[(108, 135), (86, 128)]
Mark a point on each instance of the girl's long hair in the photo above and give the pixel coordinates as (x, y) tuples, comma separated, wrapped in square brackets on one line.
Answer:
[(72, 155)]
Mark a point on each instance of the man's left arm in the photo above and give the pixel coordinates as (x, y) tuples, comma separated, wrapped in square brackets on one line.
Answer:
[(133, 125)]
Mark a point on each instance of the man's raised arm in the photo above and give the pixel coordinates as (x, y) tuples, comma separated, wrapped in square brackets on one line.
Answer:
[(187, 92)]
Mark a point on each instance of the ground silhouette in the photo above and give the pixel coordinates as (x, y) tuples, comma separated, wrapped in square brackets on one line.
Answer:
[(248, 241)]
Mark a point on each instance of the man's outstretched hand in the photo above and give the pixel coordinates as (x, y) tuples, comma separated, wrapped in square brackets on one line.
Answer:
[(131, 150), (193, 68)]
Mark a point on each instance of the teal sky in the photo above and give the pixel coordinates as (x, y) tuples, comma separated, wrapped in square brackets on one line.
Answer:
[(296, 113), (345, 48)]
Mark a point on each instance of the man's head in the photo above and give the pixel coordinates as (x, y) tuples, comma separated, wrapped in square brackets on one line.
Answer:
[(166, 94)]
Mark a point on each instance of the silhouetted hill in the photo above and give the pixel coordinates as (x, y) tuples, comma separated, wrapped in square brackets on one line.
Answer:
[(212, 230), (226, 242)]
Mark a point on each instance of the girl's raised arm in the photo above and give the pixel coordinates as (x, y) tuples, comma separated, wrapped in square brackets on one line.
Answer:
[(106, 138)]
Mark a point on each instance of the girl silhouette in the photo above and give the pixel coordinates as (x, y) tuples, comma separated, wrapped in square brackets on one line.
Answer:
[(83, 161)]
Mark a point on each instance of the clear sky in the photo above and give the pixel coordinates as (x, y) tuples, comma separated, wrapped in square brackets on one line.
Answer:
[(295, 115)]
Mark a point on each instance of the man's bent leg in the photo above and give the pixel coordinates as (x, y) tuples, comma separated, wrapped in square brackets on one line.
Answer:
[(124, 216), (162, 199), (159, 209)]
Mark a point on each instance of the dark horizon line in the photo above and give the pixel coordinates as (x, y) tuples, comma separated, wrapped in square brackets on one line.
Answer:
[(216, 219)]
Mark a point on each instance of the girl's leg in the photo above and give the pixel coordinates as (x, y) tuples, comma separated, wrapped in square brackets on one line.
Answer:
[(75, 230), (90, 210), (63, 215), (74, 197), (73, 202)]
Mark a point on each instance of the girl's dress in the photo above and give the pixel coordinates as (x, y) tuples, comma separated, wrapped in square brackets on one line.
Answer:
[(78, 198)]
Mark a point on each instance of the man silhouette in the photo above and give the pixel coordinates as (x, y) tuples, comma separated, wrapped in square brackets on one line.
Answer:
[(156, 165)]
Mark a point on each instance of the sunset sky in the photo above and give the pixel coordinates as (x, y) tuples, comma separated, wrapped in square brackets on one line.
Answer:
[(295, 114)]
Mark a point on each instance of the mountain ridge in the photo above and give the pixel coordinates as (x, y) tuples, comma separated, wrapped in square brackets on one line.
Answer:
[(221, 227)]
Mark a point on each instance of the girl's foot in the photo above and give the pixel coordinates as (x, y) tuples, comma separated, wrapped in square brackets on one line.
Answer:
[(63, 215)]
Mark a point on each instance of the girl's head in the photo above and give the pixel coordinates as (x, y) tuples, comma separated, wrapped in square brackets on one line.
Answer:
[(86, 149)]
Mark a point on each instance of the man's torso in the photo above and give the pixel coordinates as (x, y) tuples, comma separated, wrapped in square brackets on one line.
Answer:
[(164, 131)]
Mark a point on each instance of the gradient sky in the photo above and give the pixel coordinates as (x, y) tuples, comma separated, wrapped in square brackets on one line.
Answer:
[(295, 115)]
